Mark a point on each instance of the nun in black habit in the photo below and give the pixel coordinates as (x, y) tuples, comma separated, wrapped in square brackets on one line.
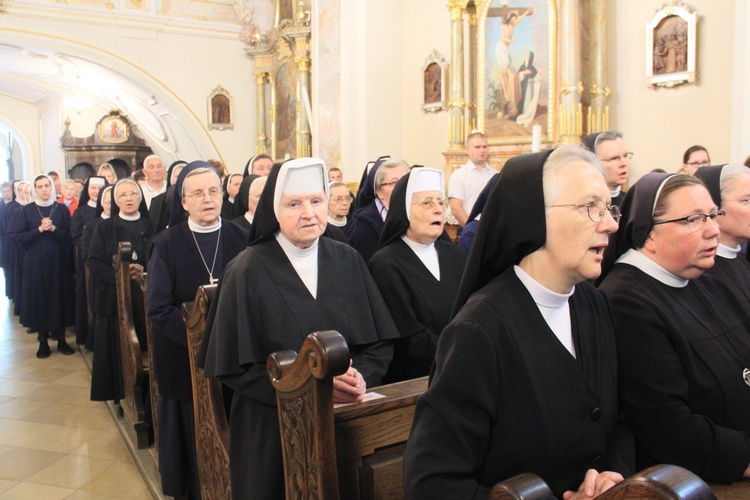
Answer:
[(729, 186), (193, 251), (161, 204), (128, 222), (228, 201), (10, 241), (525, 375), (363, 231), (86, 212), (48, 299), (683, 339), (103, 211), (289, 283), (242, 201), (417, 273)]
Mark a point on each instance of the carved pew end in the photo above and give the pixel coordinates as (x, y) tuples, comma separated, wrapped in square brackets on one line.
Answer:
[(525, 486), (667, 482)]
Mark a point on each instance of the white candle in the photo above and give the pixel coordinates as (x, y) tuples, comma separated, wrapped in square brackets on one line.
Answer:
[(536, 138)]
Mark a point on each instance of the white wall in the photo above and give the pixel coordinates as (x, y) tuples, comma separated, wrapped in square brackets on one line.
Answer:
[(372, 82), (181, 68)]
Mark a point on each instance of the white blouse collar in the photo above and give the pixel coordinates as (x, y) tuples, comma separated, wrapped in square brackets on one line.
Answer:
[(728, 252), (197, 228), (648, 266)]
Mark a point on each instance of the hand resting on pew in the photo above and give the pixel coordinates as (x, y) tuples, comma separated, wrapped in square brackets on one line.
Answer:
[(135, 271), (349, 387), (594, 484)]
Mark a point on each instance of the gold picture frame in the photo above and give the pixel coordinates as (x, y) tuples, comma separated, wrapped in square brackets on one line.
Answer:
[(435, 73), (671, 38), (220, 114), (114, 130), (284, 109), (517, 81)]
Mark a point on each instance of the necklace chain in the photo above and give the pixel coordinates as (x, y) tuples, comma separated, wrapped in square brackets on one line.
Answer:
[(213, 264)]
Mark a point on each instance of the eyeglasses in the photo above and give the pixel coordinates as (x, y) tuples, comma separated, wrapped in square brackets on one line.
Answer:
[(596, 210), (703, 163), (429, 202), (391, 183), (694, 222), (130, 194), (342, 199), (200, 195), (626, 156)]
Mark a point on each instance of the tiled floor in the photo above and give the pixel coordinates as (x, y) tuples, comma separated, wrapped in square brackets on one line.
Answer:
[(54, 442)]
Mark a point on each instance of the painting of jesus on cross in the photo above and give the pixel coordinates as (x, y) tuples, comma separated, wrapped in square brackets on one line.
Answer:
[(517, 64)]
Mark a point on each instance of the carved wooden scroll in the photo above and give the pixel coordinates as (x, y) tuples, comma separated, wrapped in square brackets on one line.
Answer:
[(135, 371), (154, 389), (211, 424), (304, 394)]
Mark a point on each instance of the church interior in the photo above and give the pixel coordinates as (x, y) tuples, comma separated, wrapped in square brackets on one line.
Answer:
[(83, 82)]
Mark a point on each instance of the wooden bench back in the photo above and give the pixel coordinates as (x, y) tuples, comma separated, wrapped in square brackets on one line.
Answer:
[(211, 424), (369, 438), (135, 371), (153, 387)]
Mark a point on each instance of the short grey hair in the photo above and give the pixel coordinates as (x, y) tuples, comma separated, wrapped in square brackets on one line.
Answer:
[(149, 158), (729, 174), (380, 174), (607, 135), (200, 170), (336, 184), (558, 159)]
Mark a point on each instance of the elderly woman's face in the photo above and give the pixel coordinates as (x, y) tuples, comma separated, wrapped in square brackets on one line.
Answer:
[(302, 217), (340, 202), (254, 192), (427, 217), (575, 244), (128, 198), (735, 227), (202, 198), (684, 251), (391, 178), (107, 202)]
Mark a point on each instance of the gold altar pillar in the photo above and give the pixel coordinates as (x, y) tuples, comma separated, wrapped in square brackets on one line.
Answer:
[(471, 93), (261, 138), (456, 102), (304, 136), (570, 112), (598, 112)]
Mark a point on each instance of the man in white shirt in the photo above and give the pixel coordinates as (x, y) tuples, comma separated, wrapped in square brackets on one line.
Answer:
[(156, 182), (610, 148), (468, 181)]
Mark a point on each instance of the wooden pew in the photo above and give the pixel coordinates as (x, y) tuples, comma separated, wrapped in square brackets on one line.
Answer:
[(135, 361), (369, 438), (211, 425), (153, 388)]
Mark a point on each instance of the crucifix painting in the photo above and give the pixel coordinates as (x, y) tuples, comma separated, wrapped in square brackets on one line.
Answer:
[(516, 52)]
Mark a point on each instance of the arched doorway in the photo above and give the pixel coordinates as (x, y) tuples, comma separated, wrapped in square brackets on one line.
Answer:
[(81, 171)]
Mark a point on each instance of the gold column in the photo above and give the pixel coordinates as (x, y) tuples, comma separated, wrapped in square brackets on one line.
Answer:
[(570, 113), (471, 93), (456, 102), (261, 139), (304, 136), (598, 112)]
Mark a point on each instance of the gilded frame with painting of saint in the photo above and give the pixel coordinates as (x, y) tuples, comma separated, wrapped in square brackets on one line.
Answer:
[(517, 67), (220, 110)]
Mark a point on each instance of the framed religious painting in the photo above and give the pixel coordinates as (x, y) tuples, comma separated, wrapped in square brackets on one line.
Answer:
[(517, 69), (113, 129), (284, 106), (435, 71), (671, 45), (220, 110)]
